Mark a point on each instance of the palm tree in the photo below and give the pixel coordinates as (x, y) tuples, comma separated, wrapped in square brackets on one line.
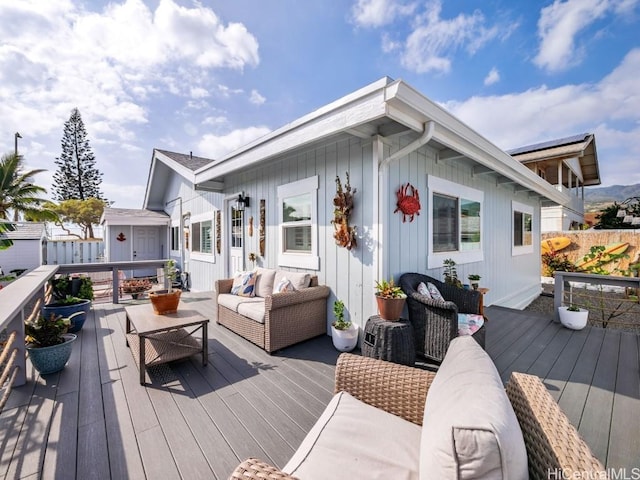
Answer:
[(18, 194)]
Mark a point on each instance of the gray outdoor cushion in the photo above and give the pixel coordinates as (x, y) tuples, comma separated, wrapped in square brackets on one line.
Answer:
[(232, 301), (264, 282), (470, 429)]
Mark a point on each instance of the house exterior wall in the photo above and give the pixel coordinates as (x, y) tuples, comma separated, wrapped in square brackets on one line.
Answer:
[(22, 254)]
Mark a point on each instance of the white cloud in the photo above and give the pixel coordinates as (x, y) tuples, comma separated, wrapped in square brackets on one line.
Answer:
[(561, 22), (376, 13), (256, 98), (609, 108), (199, 92), (492, 77), (434, 40), (216, 146)]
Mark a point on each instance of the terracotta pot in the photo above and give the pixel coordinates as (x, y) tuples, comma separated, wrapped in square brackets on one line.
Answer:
[(390, 309), (164, 302)]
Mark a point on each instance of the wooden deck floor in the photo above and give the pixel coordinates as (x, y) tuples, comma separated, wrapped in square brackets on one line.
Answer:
[(94, 420)]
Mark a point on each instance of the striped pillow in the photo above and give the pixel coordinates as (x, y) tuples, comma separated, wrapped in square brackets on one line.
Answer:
[(243, 284)]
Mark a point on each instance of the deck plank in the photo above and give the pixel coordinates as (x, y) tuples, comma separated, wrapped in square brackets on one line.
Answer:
[(60, 461)]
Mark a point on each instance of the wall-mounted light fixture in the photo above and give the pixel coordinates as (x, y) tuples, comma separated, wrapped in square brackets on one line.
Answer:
[(242, 202)]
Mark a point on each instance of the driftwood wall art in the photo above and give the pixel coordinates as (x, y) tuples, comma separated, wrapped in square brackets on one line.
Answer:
[(218, 233), (251, 226), (344, 234), (408, 202), (261, 227)]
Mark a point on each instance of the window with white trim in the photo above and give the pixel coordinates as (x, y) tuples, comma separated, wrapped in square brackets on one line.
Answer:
[(201, 237), (298, 212), (455, 218), (175, 238), (522, 228)]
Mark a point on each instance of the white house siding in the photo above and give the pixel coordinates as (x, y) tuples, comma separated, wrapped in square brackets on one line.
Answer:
[(350, 274), (513, 280), (202, 274), (23, 254)]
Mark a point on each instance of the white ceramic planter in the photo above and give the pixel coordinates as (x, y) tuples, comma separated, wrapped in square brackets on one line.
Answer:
[(573, 320), (345, 340)]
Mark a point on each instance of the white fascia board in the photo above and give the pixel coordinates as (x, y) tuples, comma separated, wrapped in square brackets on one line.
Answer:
[(349, 112), (458, 136), (175, 166)]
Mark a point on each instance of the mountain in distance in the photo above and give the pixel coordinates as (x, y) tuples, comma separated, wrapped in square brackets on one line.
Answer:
[(596, 198)]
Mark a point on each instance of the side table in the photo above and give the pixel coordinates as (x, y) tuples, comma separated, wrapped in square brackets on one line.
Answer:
[(390, 341)]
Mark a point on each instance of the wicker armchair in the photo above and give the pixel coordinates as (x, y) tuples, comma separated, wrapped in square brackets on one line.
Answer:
[(435, 323), (552, 443)]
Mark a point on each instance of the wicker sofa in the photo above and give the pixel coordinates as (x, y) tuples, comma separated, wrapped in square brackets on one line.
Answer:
[(383, 423), (435, 323), (275, 320)]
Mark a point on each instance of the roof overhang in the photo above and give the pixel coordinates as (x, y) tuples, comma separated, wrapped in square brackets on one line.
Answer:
[(160, 166), (386, 108), (135, 217)]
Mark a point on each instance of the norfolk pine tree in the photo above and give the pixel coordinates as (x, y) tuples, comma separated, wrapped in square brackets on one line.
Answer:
[(77, 177)]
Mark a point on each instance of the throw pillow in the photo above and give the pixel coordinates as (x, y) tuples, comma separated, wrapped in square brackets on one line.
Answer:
[(434, 292), (284, 285), (264, 282), (243, 284), (470, 429), (423, 290), (469, 323)]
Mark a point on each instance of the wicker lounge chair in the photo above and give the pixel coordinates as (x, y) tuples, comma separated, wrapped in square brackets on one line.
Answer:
[(435, 323), (553, 445)]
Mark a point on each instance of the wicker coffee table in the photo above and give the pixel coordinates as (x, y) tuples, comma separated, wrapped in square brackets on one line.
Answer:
[(156, 339)]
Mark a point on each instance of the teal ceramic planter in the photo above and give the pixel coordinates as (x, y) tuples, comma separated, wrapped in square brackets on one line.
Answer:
[(66, 311), (51, 359)]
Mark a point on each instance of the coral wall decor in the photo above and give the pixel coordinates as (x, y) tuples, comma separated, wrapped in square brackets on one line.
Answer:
[(261, 227), (344, 234), (408, 202), (218, 233)]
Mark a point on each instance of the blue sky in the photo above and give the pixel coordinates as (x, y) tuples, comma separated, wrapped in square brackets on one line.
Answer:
[(209, 76)]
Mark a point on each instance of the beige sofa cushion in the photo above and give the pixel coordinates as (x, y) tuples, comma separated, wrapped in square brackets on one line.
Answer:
[(299, 280), (469, 427), (353, 440), (264, 282), (253, 310), (232, 301)]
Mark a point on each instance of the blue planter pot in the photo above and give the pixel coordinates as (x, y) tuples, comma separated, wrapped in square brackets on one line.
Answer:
[(68, 310), (52, 359)]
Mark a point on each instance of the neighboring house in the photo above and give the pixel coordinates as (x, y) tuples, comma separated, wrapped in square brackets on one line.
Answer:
[(131, 234), (29, 248), (570, 164), (480, 207)]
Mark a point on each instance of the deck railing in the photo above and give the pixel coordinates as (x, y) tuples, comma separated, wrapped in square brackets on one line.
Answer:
[(21, 298), (592, 291)]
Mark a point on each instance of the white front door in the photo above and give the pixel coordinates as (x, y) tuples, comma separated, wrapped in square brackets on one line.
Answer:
[(236, 240), (146, 246)]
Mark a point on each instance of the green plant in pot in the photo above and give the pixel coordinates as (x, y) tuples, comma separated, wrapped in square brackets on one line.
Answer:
[(166, 301), (451, 273), (344, 333), (48, 342), (70, 294), (473, 280), (390, 299)]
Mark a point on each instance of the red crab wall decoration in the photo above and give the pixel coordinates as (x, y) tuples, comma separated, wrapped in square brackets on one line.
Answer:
[(408, 202)]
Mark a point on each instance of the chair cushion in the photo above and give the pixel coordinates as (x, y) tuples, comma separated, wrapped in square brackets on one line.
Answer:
[(423, 290), (232, 301), (252, 310), (469, 427), (434, 292), (351, 440), (299, 280), (264, 281), (469, 323), (243, 283)]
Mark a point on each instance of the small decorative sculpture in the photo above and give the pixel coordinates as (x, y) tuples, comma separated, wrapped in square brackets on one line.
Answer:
[(262, 230), (344, 234), (121, 237), (408, 202)]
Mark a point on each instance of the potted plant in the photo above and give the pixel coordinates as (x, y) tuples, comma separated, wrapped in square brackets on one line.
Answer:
[(390, 299), (166, 301), (451, 274), (68, 296), (48, 342), (344, 333), (474, 279), (573, 317)]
